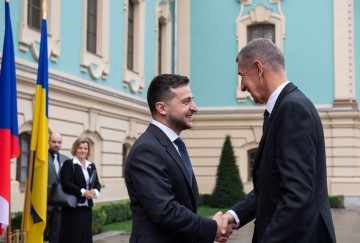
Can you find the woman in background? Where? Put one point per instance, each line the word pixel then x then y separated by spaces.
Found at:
pixel 79 177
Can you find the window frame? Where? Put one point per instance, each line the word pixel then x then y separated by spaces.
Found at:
pixel 259 14
pixel 29 38
pixel 96 64
pixel 251 154
pixel 90 32
pixel 164 27
pixel 134 78
pixel 20 163
pixel 260 27
pixel 30 14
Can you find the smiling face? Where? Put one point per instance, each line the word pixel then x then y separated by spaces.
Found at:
pixel 82 151
pixel 180 109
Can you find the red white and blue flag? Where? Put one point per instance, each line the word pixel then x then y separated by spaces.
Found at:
pixel 9 141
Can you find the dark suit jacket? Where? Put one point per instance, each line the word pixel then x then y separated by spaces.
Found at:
pixel 163 203
pixel 290 197
pixel 74 184
pixel 52 175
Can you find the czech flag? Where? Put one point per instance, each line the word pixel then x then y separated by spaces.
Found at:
pixel 9 141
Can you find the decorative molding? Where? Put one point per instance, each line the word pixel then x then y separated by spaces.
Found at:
pixel 344 57
pixel 258 14
pixel 97 64
pixel 75 84
pixel 134 79
pixel 30 38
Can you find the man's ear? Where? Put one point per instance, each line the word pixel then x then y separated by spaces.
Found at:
pixel 161 108
pixel 259 67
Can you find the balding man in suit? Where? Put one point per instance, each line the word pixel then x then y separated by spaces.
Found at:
pixel 55 161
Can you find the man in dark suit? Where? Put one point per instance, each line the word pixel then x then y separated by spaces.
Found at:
pixel 55 162
pixel 161 184
pixel 290 199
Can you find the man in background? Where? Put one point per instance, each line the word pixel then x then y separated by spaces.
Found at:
pixel 55 161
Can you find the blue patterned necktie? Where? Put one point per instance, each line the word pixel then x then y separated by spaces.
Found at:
pixel 184 156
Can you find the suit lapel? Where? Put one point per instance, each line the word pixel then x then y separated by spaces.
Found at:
pixel 77 167
pixel 51 164
pixel 287 89
pixel 170 148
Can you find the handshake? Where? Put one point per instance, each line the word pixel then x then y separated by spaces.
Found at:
pixel 225 226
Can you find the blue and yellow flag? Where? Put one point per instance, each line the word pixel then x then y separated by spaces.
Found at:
pixel 36 218
pixel 9 143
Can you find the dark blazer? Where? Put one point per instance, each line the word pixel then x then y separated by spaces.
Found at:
pixel 52 175
pixel 290 197
pixel 74 184
pixel 163 203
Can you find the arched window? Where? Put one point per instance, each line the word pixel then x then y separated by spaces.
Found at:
pixel 23 160
pixel 251 159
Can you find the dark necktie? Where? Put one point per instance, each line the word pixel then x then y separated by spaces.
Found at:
pixel 266 120
pixel 184 156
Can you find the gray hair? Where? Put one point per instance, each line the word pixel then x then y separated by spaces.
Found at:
pixel 263 50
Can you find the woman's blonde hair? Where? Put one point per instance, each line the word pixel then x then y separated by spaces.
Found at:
pixel 77 144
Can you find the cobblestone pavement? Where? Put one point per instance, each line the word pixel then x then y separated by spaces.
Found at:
pixel 346 223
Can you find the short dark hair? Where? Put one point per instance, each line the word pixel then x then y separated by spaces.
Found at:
pixel 265 51
pixel 160 88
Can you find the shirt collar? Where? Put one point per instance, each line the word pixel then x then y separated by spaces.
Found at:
pixel 77 161
pixel 169 132
pixel 273 97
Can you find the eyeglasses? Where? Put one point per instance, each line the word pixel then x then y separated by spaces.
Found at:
pixel 243 75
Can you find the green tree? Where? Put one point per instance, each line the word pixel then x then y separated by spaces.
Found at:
pixel 229 188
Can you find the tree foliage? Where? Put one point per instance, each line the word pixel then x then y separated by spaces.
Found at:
pixel 229 188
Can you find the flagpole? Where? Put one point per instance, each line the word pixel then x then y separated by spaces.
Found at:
pixel 8 230
pixel 44 9
pixel 28 191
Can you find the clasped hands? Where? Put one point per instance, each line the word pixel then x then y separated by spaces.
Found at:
pixel 89 194
pixel 225 226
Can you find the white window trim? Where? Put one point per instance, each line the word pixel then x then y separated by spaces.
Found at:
pixel 163 14
pixel 259 14
pixel 30 39
pixel 97 65
pixel 134 79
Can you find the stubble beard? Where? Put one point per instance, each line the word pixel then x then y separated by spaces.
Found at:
pixel 178 123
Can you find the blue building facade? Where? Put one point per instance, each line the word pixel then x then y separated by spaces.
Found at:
pixel 99 90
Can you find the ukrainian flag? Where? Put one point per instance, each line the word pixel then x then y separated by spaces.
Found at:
pixel 36 218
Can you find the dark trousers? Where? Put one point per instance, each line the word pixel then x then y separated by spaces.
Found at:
pixel 76 225
pixel 53 222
